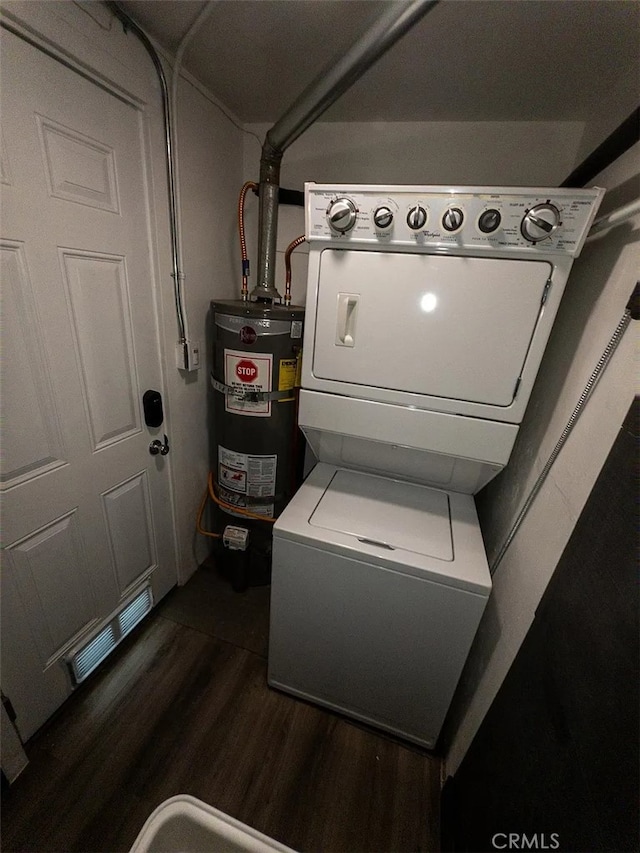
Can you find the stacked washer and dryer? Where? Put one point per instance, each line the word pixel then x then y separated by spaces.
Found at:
pixel 428 311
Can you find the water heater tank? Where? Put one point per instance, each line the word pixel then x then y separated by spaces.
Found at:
pixel 257 351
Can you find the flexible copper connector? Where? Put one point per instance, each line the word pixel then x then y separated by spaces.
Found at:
pixel 199 526
pixel 235 509
pixel 250 185
pixel 287 265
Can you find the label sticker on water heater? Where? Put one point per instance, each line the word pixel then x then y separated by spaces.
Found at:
pixel 250 474
pixel 248 373
pixel 287 374
pixel 242 503
pixel 233 479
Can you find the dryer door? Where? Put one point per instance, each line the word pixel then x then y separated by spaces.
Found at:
pixel 451 327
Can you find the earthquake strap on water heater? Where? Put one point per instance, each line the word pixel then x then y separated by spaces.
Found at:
pixel 253 396
pixel 630 313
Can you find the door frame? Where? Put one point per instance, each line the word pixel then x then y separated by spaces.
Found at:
pixel 64 33
pixel 46 29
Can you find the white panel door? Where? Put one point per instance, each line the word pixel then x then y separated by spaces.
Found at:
pixel 451 327
pixel 86 510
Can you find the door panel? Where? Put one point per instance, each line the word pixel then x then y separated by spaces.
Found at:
pixel 458 328
pixel 98 296
pixel 78 168
pixel 53 578
pixel 86 510
pixel 31 438
pixel 127 510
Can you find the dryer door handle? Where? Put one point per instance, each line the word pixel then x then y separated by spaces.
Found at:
pixel 346 319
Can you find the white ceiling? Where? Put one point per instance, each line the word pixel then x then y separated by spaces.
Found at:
pixel 467 60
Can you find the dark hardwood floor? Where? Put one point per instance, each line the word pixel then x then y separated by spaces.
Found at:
pixel 183 708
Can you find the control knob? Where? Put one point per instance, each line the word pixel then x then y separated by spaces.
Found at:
pixel 540 222
pixel 341 215
pixel 383 216
pixel 452 219
pixel 417 217
pixel 489 220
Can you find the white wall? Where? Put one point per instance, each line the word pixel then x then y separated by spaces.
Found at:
pixel 620 102
pixel 490 153
pixel 210 176
pixel 598 290
pixel 210 168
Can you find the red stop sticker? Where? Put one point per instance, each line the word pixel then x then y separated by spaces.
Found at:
pixel 246 371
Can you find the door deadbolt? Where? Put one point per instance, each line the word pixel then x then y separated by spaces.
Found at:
pixel 158 447
pixel 152 406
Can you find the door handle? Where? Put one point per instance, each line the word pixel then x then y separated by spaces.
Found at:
pixel 158 447
pixel 346 320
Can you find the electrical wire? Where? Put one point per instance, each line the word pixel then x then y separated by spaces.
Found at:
pixel 83 8
pixel 235 123
pixel 588 390
pixel 244 292
pixel 202 90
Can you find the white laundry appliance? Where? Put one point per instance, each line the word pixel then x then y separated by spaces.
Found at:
pixel 428 311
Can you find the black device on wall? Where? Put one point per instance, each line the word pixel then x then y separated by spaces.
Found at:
pixel 152 405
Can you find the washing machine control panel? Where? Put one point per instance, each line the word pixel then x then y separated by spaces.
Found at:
pixel 443 219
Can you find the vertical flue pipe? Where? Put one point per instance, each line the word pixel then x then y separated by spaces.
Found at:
pixel 334 81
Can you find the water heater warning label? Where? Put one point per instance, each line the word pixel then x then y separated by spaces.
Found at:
pixel 288 373
pixel 232 479
pixel 247 474
pixel 241 502
pixel 248 374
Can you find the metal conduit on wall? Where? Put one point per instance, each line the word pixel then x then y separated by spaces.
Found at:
pixel 129 24
pixel 174 154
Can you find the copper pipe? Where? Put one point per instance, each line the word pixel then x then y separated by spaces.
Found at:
pixel 199 526
pixel 244 292
pixel 287 265
pixel 235 509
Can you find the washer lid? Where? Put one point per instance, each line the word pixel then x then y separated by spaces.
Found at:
pixel 388 513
